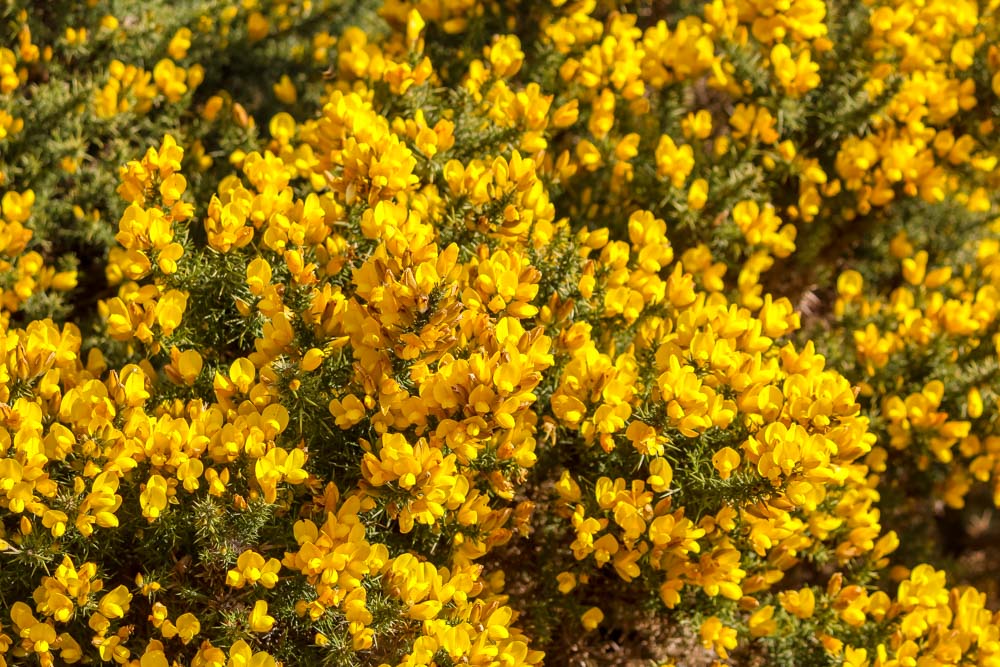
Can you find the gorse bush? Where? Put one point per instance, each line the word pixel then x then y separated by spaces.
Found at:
pixel 455 333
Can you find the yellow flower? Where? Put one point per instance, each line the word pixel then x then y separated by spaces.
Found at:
pixel 115 603
pixel 974 403
pixel 170 79
pixel 725 461
pixel 189 364
pixel 762 623
pixel 282 127
pixel 567 582
pixel 800 603
pixel 849 284
pixel 259 620
pixel 241 655
pixel 592 618
pixel 673 162
pixel 258 27
pixel 425 610
pixel 153 658
pixel 697 194
pixel 697 124
pixel 796 75
pixel 347 411
pixel 242 374
pixel 179 44
pixel 170 309
pixel 285 91
pixel 153 498
pixel 660 475
pixel 187 627
pixel 505 56
pixel 251 568
pixel 716 636
pixel 855 657
pixel 312 359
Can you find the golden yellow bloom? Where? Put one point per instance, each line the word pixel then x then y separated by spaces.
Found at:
pixel 259 620
pixel 725 461
pixel 592 618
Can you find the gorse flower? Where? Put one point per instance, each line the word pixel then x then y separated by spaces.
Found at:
pixel 458 333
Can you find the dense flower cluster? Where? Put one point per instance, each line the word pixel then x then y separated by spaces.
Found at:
pixel 480 331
